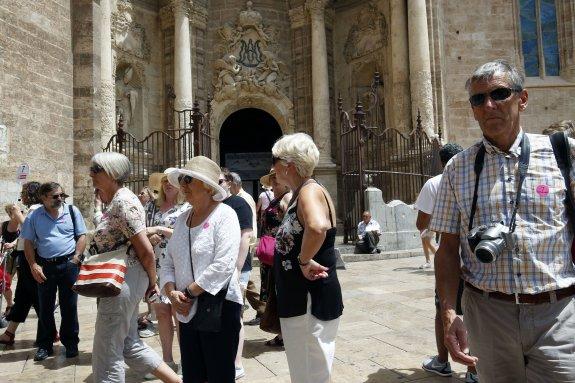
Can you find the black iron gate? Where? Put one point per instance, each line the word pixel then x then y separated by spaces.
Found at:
pixel 384 158
pixel 163 149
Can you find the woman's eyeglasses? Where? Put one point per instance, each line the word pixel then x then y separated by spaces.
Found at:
pixel 499 94
pixel 61 195
pixel 95 168
pixel 184 179
pixel 221 181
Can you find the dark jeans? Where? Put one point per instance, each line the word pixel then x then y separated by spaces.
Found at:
pixel 368 244
pixel 209 356
pixel 25 297
pixel 60 278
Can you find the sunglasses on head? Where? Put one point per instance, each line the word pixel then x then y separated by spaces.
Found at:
pixel 61 195
pixel 499 94
pixel 95 168
pixel 184 179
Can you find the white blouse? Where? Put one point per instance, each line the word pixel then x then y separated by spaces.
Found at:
pixel 215 245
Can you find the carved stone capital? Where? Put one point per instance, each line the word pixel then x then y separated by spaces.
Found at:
pixel 184 6
pixel 316 8
pixel 166 17
pixel 199 17
pixel 297 17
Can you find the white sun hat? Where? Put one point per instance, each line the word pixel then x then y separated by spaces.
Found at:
pixel 203 169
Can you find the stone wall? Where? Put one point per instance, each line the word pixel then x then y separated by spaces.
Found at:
pixel 477 32
pixel 35 93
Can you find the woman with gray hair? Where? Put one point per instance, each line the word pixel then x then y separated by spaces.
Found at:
pixel 116 337
pixel 308 291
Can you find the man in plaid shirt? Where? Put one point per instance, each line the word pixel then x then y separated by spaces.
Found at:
pixel 519 308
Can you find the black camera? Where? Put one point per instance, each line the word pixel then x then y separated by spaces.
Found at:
pixel 488 241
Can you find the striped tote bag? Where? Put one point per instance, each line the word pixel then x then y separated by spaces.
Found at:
pixel 102 275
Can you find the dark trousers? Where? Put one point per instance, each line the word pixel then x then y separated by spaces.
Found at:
pixel 59 278
pixel 369 243
pixel 26 297
pixel 258 300
pixel 209 356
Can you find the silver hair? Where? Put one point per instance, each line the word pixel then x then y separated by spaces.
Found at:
pixel 116 165
pixel 299 149
pixel 487 71
pixel 236 179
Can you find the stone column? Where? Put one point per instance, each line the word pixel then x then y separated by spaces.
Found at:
pixel 420 65
pixel 182 55
pixel 320 81
pixel 107 83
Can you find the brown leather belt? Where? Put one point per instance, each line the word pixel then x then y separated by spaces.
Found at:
pixel 533 299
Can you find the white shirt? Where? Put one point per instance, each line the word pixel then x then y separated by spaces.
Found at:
pixel 362 227
pixel 215 244
pixel 426 198
pixel 20 243
pixel 265 198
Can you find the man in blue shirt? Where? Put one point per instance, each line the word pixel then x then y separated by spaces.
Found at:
pixel 54 239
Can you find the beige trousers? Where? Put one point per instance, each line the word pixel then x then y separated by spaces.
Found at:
pixel 521 343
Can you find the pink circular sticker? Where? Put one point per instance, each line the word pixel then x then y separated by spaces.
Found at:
pixel 542 190
pixel 206 225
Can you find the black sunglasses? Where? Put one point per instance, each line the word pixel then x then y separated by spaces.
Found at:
pixel 221 181
pixel 96 169
pixel 61 195
pixel 499 94
pixel 185 179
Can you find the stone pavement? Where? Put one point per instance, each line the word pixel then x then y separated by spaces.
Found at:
pixel 385 333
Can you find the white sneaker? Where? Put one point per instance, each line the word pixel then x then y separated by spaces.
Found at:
pixel 426 265
pixel 149 331
pixel 434 365
pixel 240 373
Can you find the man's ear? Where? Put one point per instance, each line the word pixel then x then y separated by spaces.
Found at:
pixel 523 100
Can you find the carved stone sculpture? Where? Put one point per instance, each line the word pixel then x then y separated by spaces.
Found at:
pixel 127 35
pixel 367 35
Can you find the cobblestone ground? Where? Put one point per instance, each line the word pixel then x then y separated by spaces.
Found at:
pixel 385 333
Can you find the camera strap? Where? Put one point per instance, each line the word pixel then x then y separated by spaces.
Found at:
pixel 523 166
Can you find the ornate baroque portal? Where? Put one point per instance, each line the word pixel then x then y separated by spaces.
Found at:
pixel 249 73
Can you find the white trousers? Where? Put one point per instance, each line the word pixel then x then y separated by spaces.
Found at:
pixel 310 346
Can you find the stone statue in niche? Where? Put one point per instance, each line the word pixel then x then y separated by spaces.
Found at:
pixel 367 35
pixel 249 61
pixel 127 98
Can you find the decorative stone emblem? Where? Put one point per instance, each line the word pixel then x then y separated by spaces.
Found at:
pixel 128 36
pixel 367 35
pixel 249 62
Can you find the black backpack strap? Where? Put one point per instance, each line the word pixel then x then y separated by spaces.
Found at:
pixel 73 216
pixel 562 151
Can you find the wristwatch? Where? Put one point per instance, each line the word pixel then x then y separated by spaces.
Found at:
pixel 300 261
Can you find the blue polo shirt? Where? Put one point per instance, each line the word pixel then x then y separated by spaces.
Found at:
pixel 53 237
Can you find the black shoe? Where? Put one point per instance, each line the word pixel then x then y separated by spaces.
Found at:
pixel 71 353
pixel 42 354
pixel 253 322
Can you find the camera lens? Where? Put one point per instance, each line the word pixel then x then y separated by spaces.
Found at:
pixel 488 251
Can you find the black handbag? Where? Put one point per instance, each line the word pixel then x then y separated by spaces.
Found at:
pixel 208 316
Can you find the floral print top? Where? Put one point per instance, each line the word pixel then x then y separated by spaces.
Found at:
pixel 122 218
pixel 154 217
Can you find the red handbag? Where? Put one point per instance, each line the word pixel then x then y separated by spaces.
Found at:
pixel 265 250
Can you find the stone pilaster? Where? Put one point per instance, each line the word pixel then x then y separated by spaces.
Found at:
pixel 320 80
pixel 107 86
pixel 420 65
pixel 182 54
pixel 566 37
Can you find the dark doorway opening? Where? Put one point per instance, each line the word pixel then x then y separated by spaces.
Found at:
pixel 246 140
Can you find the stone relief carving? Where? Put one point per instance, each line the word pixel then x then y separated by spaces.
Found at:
pixel 367 35
pixel 129 36
pixel 249 62
pixel 128 97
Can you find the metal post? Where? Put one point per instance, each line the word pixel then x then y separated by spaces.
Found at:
pixel 419 133
pixel 120 133
pixel 359 127
pixel 196 118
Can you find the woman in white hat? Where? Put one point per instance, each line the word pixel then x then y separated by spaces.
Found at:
pixel 201 259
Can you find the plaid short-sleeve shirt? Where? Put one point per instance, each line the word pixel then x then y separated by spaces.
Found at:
pixel 540 259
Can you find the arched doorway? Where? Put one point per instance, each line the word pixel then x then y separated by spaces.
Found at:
pixel 246 140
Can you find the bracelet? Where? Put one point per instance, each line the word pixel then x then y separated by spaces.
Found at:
pixel 302 263
pixel 188 293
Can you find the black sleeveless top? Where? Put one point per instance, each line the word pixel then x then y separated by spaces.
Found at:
pixel 8 235
pixel 291 286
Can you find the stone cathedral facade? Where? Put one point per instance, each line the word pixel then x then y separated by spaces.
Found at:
pixel 70 68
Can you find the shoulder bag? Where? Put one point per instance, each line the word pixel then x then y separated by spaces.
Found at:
pixel 208 316
pixel 102 275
